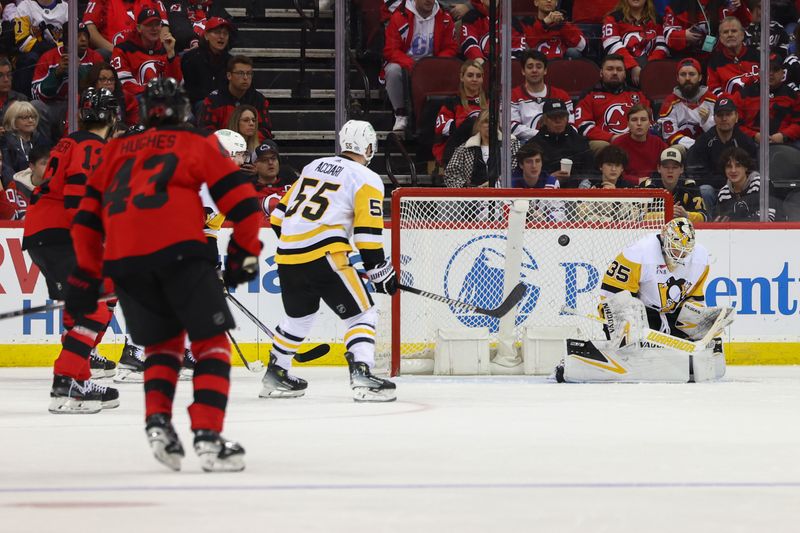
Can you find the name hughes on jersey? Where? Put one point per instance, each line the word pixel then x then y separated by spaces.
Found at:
pixel 160 141
pixel 329 168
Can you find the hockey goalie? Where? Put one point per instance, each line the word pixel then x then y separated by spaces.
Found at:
pixel 657 327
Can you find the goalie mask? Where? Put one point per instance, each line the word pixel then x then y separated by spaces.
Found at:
pixel 358 136
pixel 234 144
pixel 677 241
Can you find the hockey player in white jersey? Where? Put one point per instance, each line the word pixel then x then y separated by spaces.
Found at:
pixel 658 328
pixel 335 200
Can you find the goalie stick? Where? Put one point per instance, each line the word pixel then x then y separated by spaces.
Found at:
pixel 314 353
pixel 501 310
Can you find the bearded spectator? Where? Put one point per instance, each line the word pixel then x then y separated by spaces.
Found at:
pixel 689 110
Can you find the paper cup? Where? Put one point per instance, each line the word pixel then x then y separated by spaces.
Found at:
pixel 566 165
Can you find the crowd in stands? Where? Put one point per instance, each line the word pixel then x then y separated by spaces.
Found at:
pixel 699 142
pixel 121 45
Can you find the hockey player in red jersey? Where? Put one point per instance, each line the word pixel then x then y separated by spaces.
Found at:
pixel 141 223
pixel 47 239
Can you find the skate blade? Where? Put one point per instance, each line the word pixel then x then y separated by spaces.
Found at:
pixel 211 463
pixel 185 375
pixel 170 460
pixel 128 376
pixel 365 394
pixel 100 373
pixel 277 393
pixel 110 404
pixel 71 406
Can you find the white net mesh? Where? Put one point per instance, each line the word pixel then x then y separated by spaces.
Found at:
pixel 475 249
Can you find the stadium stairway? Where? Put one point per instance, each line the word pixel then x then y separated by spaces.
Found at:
pixel 302 108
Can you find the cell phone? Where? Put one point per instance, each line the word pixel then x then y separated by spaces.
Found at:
pixel 709 43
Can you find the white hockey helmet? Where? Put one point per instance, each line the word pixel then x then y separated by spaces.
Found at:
pixel 677 241
pixel 357 136
pixel 234 144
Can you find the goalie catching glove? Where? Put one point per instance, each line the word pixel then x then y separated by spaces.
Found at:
pixel 241 266
pixel 383 277
pixel 82 293
pixel 695 319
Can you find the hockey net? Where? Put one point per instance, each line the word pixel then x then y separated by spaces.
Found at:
pixel 475 245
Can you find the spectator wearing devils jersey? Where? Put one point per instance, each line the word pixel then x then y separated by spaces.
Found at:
pixel 527 100
pixel 784 107
pixel 216 110
pixel 688 23
pixel 474 42
pixel 549 31
pixel 732 65
pixel 601 115
pixel 456 117
pixel 110 21
pixel 689 110
pixel 267 180
pixel 633 31
pixel 145 54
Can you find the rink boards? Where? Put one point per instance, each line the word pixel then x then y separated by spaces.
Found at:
pixel 754 268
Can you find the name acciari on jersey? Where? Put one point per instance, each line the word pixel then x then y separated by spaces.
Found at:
pixel 333 200
pixel 641 269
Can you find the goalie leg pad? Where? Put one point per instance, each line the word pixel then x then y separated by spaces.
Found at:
pixel 626 317
pixel 602 361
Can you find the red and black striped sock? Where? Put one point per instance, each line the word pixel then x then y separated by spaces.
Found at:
pixel 211 382
pixel 162 363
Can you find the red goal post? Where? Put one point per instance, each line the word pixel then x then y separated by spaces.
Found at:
pixel 474 245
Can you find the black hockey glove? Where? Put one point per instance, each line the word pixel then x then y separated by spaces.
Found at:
pixel 81 293
pixel 240 265
pixel 383 277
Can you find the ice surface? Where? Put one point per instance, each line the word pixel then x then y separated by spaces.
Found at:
pixel 456 454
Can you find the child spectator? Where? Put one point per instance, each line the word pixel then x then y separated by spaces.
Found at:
pixel 733 64
pixel 549 31
pixel 454 122
pixel 688 202
pixel 216 110
pixel 689 25
pixel 611 161
pixel 602 115
pixel 416 29
pixel 528 99
pixel 21 188
pixel 560 140
pixel 633 30
pixel 643 147
pixel 689 110
pixel 740 198
pixel 204 67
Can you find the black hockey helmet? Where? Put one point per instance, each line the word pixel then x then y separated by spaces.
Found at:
pixel 164 102
pixel 98 106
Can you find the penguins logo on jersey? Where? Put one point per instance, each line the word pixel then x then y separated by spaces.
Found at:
pixel 672 292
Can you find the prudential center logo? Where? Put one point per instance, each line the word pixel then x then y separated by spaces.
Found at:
pixel 474 274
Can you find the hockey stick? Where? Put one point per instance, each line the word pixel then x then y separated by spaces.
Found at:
pixel 501 310
pixel 314 353
pixel 255 366
pixel 46 307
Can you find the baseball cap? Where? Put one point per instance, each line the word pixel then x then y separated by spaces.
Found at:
pixel 724 103
pixel 266 147
pixel 554 106
pixel 775 62
pixel 689 62
pixel 147 14
pixel 671 154
pixel 218 22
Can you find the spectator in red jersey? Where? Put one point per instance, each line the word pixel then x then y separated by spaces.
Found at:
pixel 602 115
pixel 560 140
pixel 528 99
pixel 549 31
pixel 216 109
pixel 690 25
pixel 20 123
pixel 205 67
pixel 454 121
pixel 50 81
pixel 689 110
pixel 188 20
pixel 146 54
pixel 417 29
pixel 244 121
pixel 643 148
pixel 474 41
pixel 732 65
pixel 21 187
pixel 267 180
pixel 110 21
pixel 784 107
pixel 7 95
pixel 633 30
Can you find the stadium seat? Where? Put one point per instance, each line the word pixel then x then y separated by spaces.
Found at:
pixel 657 80
pixel 784 162
pixel 433 75
pixel 522 8
pixel 575 76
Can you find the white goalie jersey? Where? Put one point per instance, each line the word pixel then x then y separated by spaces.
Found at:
pixel 642 270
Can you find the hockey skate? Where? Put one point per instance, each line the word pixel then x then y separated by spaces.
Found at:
pixel 278 383
pixel 100 366
pixel 131 365
pixel 166 446
pixel 72 396
pixel 109 396
pixel 366 387
pixel 187 371
pixel 216 453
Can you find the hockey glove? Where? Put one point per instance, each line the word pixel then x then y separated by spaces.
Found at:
pixel 82 293
pixel 240 265
pixel 383 277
